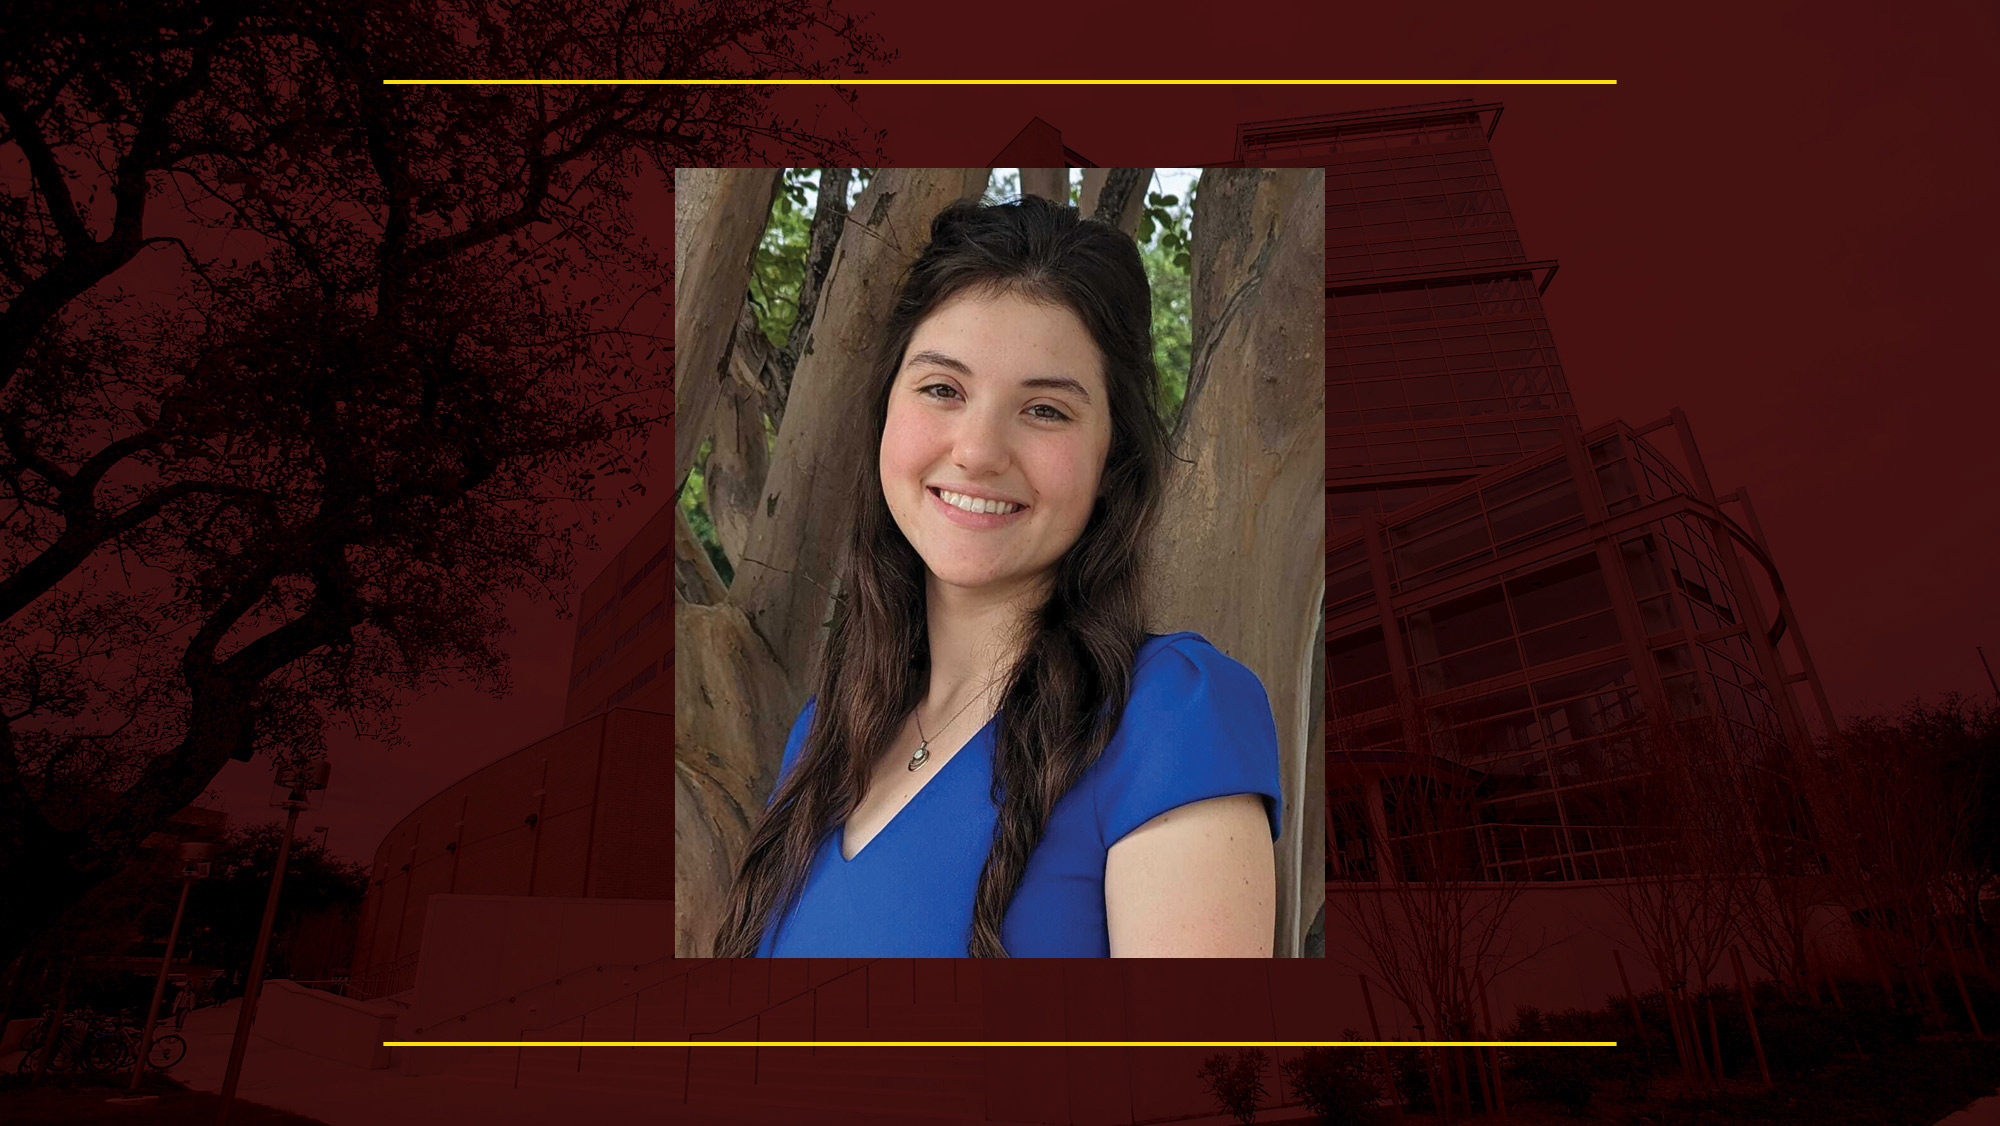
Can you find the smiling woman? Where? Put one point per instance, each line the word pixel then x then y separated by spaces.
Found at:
pixel 998 759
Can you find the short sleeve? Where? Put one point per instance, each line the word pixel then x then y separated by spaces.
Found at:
pixel 1197 726
pixel 794 743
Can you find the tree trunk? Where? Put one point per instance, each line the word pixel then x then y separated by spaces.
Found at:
pixel 1049 183
pixel 731 712
pixel 695 579
pixel 719 216
pixel 738 458
pixel 1248 498
pixel 734 705
pixel 1115 195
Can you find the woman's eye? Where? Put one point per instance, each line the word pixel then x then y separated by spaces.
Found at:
pixel 1048 413
pixel 938 391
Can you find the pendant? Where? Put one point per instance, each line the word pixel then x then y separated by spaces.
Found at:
pixel 923 753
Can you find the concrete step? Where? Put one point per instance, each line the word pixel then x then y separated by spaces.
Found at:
pixel 879 1021
pixel 849 1069
pixel 694 1114
pixel 952 1085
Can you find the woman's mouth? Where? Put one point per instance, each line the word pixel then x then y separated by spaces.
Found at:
pixel 974 512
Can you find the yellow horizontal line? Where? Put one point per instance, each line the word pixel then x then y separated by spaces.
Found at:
pixel 1000 82
pixel 999 1043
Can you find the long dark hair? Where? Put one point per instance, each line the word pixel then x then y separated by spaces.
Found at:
pixel 1065 693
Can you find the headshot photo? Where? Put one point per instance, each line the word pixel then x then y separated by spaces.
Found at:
pixel 998 565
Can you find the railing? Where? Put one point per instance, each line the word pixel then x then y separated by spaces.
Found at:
pixel 384 978
pixel 558 980
pixel 632 996
pixel 1501 852
pixel 754 1020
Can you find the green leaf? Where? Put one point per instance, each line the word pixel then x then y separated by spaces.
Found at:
pixel 1181 260
pixel 1169 200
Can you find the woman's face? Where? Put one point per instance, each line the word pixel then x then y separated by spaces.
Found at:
pixel 998 427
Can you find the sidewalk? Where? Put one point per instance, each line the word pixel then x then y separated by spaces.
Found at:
pixel 1985 1112
pixel 342 1095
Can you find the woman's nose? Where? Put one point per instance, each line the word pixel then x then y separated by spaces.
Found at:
pixel 979 445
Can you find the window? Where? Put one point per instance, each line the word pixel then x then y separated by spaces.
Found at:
pixel 1565 590
pixel 1466 622
pixel 1598 631
pixel 1470 667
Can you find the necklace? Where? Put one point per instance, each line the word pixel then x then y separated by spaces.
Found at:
pixel 923 751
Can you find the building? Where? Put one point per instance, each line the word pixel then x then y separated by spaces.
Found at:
pixel 1508 595
pixel 624 650
pixel 580 814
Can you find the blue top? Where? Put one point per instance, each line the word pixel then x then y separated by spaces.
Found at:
pixel 1198 725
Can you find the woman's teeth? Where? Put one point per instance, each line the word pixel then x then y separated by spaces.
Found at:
pixel 975 504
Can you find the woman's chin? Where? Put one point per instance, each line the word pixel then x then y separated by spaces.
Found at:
pixel 980 579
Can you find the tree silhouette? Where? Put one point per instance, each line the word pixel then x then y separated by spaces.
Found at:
pixel 301 374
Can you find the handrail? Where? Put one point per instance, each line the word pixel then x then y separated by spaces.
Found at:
pixel 381 973
pixel 814 989
pixel 757 1058
pixel 596 967
pixel 756 1019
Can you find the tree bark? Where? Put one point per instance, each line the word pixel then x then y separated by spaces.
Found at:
pixel 696 581
pixel 738 457
pixel 829 220
pixel 1115 195
pixel 1049 183
pixel 732 708
pixel 1249 497
pixel 719 216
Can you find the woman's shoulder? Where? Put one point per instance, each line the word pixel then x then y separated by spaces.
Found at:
pixel 1197 724
pixel 1185 667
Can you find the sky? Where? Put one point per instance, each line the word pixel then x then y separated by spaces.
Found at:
pixel 1781 219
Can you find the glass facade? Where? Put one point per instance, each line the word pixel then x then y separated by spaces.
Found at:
pixel 1510 601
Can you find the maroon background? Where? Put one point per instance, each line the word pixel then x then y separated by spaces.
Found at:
pixel 1780 220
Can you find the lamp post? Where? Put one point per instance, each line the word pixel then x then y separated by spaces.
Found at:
pixel 194 865
pixel 301 783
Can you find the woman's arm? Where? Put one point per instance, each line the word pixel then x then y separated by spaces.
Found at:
pixel 1198 881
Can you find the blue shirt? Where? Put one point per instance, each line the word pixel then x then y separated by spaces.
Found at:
pixel 1197 725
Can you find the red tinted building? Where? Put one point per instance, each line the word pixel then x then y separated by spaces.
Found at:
pixel 1509 597
pixel 576 815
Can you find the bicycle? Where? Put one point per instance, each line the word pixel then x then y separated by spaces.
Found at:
pixel 114 1045
pixel 69 1042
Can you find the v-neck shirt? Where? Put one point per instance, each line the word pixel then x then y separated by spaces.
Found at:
pixel 1197 725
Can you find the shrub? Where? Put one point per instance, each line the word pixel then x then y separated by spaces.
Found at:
pixel 1412 1076
pixel 1563 1076
pixel 1237 1084
pixel 1334 1084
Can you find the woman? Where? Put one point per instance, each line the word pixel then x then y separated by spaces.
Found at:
pixel 997 760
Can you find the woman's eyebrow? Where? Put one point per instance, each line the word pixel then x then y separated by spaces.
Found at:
pixel 1059 383
pixel 938 359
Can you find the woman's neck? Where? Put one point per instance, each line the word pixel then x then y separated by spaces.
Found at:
pixel 975 636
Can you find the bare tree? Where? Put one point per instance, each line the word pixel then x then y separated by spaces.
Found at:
pixel 1901 803
pixel 1689 862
